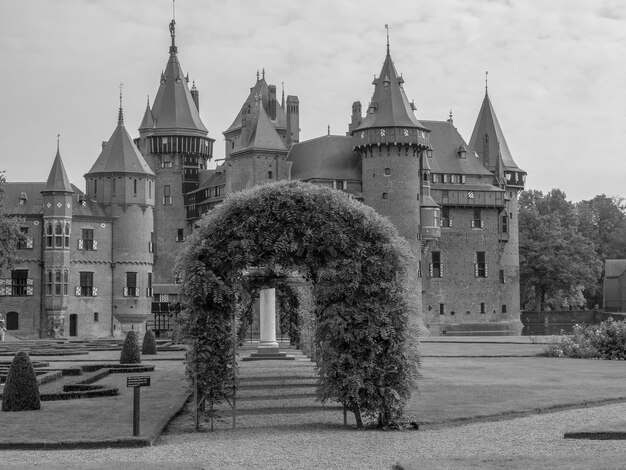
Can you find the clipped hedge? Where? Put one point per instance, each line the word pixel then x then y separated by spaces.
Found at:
pixel 149 343
pixel 130 350
pixel 604 341
pixel 21 391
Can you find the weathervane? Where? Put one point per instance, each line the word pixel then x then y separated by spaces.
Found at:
pixel 387 28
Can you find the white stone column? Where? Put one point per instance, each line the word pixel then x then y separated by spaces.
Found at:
pixel 268 321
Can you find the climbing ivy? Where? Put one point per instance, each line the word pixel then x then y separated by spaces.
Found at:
pixel 358 266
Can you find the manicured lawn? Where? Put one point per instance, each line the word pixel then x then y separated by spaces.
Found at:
pixel 97 419
pixel 465 388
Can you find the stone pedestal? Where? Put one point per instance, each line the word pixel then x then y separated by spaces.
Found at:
pixel 268 347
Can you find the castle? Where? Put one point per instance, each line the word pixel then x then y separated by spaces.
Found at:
pixel 99 263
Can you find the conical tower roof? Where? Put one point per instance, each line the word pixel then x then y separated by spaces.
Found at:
pixel 148 120
pixel 57 179
pixel 487 124
pixel 174 110
pixel 120 155
pixel 390 107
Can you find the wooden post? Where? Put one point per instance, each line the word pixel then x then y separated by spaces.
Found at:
pixel 195 396
pixel 234 327
pixel 345 415
pixel 136 409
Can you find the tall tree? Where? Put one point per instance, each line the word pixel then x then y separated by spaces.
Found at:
pixel 10 233
pixel 556 260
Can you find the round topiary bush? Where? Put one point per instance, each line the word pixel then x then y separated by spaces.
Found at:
pixel 149 343
pixel 21 391
pixel 130 350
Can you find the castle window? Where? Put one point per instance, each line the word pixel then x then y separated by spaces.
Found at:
pixel 339 184
pixel 435 178
pixel 95 317
pixel 149 292
pixel 113 186
pixel 58 235
pixel 442 309
pixel 167 197
pixel 218 191
pixel 87 242
pixel 477 221
pixel 482 307
pixel 131 285
pixel 49 235
pixel 446 222
pixel 49 282
pixel 151 243
pixel 501 276
pixel 435 268
pixel 462 179
pixel 95 188
pixel 269 174
pixel 388 171
pixel 67 234
pixel 149 188
pixel 480 268
pixel 445 178
pixel 25 243
pixel 86 288
pixel 385 195
pixel 180 235
pixel 58 282
pixel 503 308
pixel 135 187
pixel 19 282
pixel 505 224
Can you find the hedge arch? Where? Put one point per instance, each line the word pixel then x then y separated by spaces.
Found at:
pixel 359 269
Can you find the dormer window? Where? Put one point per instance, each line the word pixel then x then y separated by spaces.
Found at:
pixel 462 151
pixel 23 199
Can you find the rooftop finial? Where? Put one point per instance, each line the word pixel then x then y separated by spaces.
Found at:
pixel 387 28
pixel 450 120
pixel 263 73
pixel 329 129
pixel 282 104
pixel 148 99
pixel 257 74
pixel 486 80
pixel 173 49
pixel 58 142
pixel 120 118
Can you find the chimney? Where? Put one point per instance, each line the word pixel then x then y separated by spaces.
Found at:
pixel 195 94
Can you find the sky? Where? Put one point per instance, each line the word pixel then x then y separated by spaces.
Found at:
pixel 557 73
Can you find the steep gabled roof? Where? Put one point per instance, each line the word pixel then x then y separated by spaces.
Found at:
pixel 174 110
pixel 120 155
pixel 389 107
pixel 58 180
pixel 326 157
pixel 148 120
pixel 264 135
pixel 446 142
pixel 487 123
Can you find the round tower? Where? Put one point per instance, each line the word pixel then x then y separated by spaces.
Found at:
pixel 391 142
pixel 123 184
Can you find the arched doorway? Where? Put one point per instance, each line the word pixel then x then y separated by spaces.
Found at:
pixel 13 321
pixel 360 271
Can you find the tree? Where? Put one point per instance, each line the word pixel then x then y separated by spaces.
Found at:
pixel 148 346
pixel 557 262
pixel 130 350
pixel 10 233
pixel 21 391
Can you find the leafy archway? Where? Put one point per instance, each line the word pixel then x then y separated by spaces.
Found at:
pixel 358 267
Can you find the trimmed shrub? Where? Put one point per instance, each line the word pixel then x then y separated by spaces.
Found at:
pixel 149 343
pixel 130 350
pixel 21 391
pixel 604 341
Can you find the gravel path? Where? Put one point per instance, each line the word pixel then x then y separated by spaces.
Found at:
pixel 529 442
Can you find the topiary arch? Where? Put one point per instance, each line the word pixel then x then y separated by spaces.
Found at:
pixel 358 266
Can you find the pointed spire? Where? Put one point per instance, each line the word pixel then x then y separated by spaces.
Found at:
pixel 282 101
pixel 148 120
pixel 387 28
pixel 486 81
pixel 263 73
pixel 57 179
pixel 173 49
pixel 450 120
pixel 120 117
pixel 329 129
pixel 257 75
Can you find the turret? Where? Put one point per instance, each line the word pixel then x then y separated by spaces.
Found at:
pixel 293 119
pixel 430 213
pixel 57 220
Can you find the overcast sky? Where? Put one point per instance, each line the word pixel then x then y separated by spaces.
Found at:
pixel 556 73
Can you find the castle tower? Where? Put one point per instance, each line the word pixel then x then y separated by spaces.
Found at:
pixel 261 154
pixel 490 145
pixel 391 141
pixel 57 221
pixel 124 185
pixel 176 146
